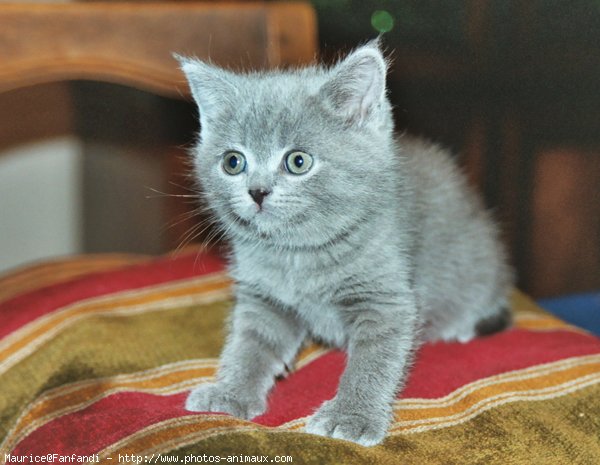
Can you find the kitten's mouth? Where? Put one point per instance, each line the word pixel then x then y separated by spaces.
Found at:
pixel 255 222
pixel 251 226
pixel 261 213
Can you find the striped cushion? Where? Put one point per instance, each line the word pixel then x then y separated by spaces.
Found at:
pixel 97 355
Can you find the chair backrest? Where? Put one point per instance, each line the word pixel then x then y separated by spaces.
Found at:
pixel 131 43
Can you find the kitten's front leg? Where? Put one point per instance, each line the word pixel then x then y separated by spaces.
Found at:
pixel 262 342
pixel 380 348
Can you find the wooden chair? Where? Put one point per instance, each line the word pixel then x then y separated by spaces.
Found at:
pixel 131 43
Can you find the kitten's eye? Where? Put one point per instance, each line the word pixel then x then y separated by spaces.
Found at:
pixel 298 162
pixel 234 163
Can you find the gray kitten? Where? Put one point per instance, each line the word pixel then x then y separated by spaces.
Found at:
pixel 340 233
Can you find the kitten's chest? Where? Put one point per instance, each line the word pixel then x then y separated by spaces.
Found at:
pixel 302 288
pixel 291 278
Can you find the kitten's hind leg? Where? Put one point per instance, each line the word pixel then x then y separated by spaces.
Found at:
pixel 468 324
pixel 485 326
pixel 262 342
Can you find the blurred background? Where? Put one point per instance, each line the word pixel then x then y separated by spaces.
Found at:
pixel 512 87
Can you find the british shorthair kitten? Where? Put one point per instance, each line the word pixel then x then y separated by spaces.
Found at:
pixel 340 233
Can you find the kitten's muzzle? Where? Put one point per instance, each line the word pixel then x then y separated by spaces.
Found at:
pixel 258 195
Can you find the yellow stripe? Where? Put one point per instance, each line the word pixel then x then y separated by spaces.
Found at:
pixel 175 433
pixel 550 392
pixel 427 413
pixel 541 322
pixel 310 354
pixel 523 303
pixel 530 316
pixel 552 379
pixel 27 339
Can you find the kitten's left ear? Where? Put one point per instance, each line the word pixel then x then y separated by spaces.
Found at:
pixel 357 86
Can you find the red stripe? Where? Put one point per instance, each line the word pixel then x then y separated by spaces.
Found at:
pixel 301 393
pixel 444 367
pixel 23 309
pixel 101 424
pixel 439 369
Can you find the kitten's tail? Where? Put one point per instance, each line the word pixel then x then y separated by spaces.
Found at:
pixel 495 323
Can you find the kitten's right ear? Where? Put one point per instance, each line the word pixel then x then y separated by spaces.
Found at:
pixel 356 88
pixel 211 86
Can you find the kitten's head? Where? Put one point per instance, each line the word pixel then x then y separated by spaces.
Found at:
pixel 294 157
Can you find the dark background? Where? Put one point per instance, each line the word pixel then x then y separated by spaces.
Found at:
pixel 514 88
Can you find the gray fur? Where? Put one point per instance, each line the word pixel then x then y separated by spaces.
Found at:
pixel 378 248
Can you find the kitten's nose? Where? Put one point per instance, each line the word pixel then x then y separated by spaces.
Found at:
pixel 258 195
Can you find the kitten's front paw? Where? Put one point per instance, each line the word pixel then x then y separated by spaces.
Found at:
pixel 344 421
pixel 216 398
